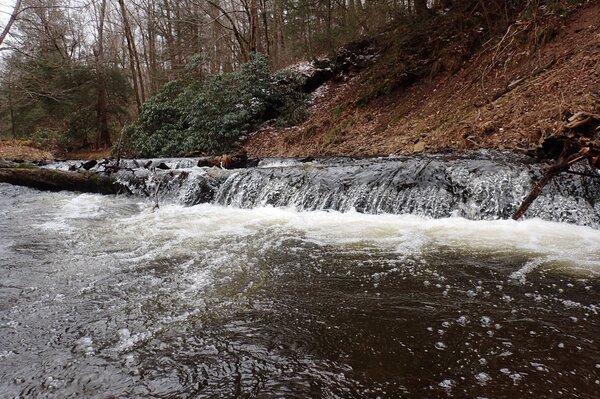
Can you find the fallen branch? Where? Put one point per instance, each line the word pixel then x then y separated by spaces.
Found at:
pixel 587 150
pixel 535 192
pixel 516 83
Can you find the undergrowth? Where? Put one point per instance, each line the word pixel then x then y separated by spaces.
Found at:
pixel 215 115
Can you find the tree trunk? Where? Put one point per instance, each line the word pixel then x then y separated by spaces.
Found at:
pixel 102 133
pixel 134 61
pixel 152 61
pixel 58 180
pixel 421 7
pixel 266 28
pixel 254 42
pixel 11 21
pixel 11 105
pixel 279 36
pixel 170 40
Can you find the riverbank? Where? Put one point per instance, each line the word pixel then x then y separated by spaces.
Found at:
pixel 23 150
pixel 469 91
pixel 20 150
pixel 512 93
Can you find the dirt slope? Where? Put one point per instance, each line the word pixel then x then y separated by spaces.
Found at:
pixel 508 95
pixel 22 150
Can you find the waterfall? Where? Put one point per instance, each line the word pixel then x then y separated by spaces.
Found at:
pixel 484 185
pixel 478 185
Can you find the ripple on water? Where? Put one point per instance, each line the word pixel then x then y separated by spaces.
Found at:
pixel 228 302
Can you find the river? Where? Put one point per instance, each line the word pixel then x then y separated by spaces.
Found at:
pixel 104 296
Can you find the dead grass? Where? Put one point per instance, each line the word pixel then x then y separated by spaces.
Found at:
pixel 25 150
pixel 89 154
pixel 13 150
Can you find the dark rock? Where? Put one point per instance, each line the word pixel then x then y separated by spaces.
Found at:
pixel 208 162
pixel 252 162
pixel 89 164
pixel 318 78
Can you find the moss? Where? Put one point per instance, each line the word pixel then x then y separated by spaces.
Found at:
pixel 338 110
pixel 291 139
pixel 309 132
pixel 26 166
pixel 337 134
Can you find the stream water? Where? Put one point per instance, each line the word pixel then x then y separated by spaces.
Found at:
pixel 104 297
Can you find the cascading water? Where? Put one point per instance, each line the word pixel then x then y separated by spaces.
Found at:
pixel 477 186
pixel 109 296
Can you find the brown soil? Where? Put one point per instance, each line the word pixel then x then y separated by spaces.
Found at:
pixel 509 95
pixel 13 150
pixel 26 151
pixel 88 154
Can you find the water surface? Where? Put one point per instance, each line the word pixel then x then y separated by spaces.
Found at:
pixel 102 297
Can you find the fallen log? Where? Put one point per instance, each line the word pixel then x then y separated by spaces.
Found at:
pixel 584 123
pixel 58 180
pixel 226 161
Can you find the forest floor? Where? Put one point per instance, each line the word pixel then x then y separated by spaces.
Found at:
pixel 88 153
pixel 507 95
pixel 26 151
pixel 22 150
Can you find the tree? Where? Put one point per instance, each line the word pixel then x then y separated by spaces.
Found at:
pixel 11 21
pixel 49 85
pixel 421 7
pixel 134 61
pixel 102 132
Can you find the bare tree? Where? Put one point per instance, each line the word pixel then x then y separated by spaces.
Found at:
pixel 11 21
pixel 134 61
pixel 102 132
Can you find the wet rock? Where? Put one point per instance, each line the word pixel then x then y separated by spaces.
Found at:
pixel 89 164
pixel 6 164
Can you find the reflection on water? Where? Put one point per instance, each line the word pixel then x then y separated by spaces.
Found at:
pixel 101 297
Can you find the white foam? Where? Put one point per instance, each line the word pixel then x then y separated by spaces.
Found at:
pixel 85 345
pixel 128 341
pixel 178 230
pixel 483 378
pixel 83 206
pixel 567 246
pixel 277 163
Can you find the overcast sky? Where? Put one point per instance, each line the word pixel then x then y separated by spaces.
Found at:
pixel 6 7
